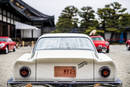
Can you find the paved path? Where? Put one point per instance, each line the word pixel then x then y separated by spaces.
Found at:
pixel 6 64
pixel 121 57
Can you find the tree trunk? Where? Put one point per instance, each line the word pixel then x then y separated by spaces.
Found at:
pixel 111 38
pixel 104 28
pixel 104 35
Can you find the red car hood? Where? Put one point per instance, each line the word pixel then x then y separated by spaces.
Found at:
pixel 2 42
pixel 96 43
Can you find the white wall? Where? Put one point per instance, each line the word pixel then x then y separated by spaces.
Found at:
pixel 28 33
pixel 36 33
pixel 107 35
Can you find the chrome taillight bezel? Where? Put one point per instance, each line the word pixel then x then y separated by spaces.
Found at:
pixel 27 70
pixel 103 69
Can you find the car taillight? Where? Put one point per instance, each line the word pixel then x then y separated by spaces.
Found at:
pixel 105 72
pixel 25 71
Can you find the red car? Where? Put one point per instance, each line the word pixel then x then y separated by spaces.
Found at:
pixel 128 44
pixel 6 44
pixel 100 44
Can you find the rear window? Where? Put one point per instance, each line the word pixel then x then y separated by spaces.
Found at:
pixel 97 39
pixel 3 39
pixel 64 43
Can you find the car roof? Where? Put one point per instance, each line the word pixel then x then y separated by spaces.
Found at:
pixel 96 36
pixel 64 35
pixel 3 37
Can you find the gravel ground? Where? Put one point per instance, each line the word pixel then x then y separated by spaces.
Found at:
pixel 118 53
pixel 6 64
pixel 121 57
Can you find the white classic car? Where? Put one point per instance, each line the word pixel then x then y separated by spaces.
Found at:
pixel 64 60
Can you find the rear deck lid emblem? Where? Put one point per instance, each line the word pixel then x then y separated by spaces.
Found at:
pixel 80 65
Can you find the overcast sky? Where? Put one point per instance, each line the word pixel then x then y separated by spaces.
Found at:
pixel 55 7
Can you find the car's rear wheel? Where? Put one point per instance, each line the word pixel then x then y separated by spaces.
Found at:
pixel 128 47
pixel 14 49
pixel 107 51
pixel 6 51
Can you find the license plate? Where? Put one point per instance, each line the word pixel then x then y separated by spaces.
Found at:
pixel 65 71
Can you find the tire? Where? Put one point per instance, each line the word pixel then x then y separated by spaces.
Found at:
pixel 6 50
pixel 107 51
pixel 14 49
pixel 128 47
pixel 126 44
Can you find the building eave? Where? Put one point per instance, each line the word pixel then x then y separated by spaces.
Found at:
pixel 37 17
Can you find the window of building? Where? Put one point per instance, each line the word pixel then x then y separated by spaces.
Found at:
pixel 12 16
pixel 15 17
pixel 0 11
pixel 12 21
pixel 8 21
pixel 0 17
pixel 8 14
pixel 4 18
pixel 4 12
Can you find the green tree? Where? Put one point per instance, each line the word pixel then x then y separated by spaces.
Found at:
pixel 125 20
pixel 67 20
pixel 87 17
pixel 69 12
pixel 110 17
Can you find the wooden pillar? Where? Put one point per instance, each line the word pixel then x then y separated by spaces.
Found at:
pixel 23 43
pixel 32 43
pixel 8 28
pixel 32 33
pixel 15 32
pixel 42 29
pixel 1 29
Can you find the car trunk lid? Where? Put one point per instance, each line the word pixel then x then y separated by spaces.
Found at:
pixel 52 65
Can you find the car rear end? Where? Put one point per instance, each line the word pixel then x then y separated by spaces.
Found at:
pixel 50 70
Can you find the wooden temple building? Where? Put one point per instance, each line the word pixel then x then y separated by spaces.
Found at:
pixel 19 20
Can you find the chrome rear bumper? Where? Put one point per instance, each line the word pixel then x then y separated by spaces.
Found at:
pixel 12 83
